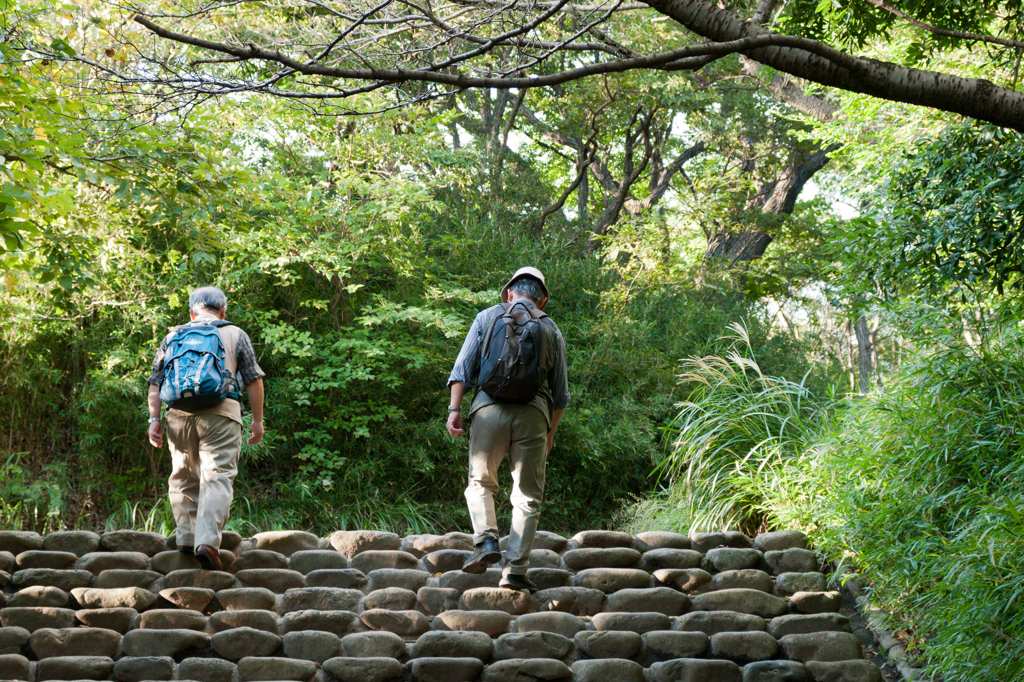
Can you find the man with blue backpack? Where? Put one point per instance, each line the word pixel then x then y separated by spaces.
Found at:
pixel 514 355
pixel 197 372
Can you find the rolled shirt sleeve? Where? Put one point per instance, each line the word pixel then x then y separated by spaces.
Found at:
pixel 558 377
pixel 467 365
pixel 156 376
pixel 248 369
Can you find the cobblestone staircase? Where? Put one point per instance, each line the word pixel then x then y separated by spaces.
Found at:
pixel 368 606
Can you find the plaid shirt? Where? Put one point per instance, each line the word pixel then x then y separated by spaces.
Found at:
pixel 467 365
pixel 248 369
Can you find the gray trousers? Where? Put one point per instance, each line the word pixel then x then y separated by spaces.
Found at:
pixel 521 432
pixel 204 462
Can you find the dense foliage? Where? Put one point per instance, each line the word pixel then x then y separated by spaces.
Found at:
pixel 716 313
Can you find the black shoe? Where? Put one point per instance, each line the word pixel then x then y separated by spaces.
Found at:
pixel 190 550
pixel 517 582
pixel 487 553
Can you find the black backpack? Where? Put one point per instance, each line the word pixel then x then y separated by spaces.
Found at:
pixel 513 354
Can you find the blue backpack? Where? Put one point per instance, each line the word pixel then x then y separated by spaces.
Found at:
pixel 195 373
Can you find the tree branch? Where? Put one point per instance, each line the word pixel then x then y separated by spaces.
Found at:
pixel 946 32
pixel 717 49
pixel 972 97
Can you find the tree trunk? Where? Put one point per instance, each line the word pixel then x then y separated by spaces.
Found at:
pixel 973 97
pixel 864 353
pixel 736 248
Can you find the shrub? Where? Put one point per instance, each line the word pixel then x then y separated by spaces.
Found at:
pixel 922 488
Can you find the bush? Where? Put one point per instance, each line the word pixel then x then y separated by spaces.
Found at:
pixel 736 429
pixel 923 489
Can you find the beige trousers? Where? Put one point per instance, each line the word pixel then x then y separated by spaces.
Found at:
pixel 204 461
pixel 521 432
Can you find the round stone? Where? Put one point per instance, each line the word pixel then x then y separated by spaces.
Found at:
pixel 800 624
pixel 579 601
pixel 237 643
pixel 517 669
pixel 345 669
pixel 113 598
pixel 601 539
pixel 713 622
pixel 515 602
pixel 133 541
pixel 78 542
pixel 39 595
pixel 788 584
pixel 537 644
pixel 286 542
pixel 692 581
pixel 611 557
pixel 745 578
pixel 605 669
pixel 666 645
pixel 319 599
pixel 564 624
pixel 192 598
pixel 374 644
pixel 658 599
pixel 744 647
pixel 246 599
pixel 252 618
pixel 259 558
pixel 312 646
pixel 308 560
pixel 494 623
pixel 608 644
pixel 611 580
pixel 733 559
pixel 816 602
pixel 658 559
pixel 456 644
pixel 632 622
pixel 35 558
pixel 393 599
pixel 754 602
pixel 645 542
pixel 403 623
pixel 340 623
pixel 780 540
pixel 354 542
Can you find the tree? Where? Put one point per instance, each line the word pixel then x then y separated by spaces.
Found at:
pixel 312 50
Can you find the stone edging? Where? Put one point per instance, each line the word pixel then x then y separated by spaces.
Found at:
pixel 876 619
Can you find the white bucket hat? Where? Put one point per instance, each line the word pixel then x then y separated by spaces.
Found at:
pixel 526 272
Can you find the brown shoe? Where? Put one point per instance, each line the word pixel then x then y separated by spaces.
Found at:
pixel 209 558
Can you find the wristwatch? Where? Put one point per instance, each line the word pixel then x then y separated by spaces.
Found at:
pixel 154 420
pixel 455 409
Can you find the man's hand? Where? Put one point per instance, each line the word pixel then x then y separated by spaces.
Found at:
pixel 551 441
pixel 156 434
pixel 257 432
pixel 455 424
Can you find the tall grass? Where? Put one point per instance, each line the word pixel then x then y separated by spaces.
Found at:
pixel 923 487
pixel 737 425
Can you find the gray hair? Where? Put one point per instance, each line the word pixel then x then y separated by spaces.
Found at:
pixel 207 298
pixel 529 287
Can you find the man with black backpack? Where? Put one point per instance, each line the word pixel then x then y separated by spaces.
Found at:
pixel 197 372
pixel 514 355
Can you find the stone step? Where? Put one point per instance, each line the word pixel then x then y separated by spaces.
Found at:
pixel 370 605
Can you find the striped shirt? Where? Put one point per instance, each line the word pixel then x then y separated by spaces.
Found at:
pixel 467 364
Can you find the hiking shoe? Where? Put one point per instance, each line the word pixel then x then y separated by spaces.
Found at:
pixel 209 558
pixel 517 582
pixel 487 553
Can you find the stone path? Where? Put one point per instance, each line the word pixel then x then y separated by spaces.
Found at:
pixel 369 606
